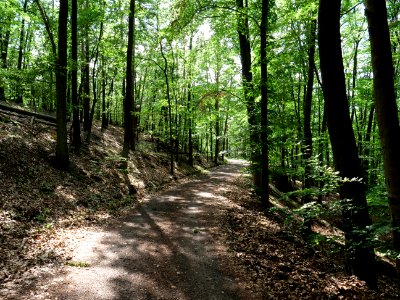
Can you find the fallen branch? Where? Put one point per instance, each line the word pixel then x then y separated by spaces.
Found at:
pixel 20 111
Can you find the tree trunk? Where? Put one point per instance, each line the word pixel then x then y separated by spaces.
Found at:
pixel 247 81
pixel 5 39
pixel 211 140
pixel 189 106
pixel 190 125
pixel 21 53
pixel 217 130
pixel 62 156
pixel 264 193
pixel 225 136
pixel 86 87
pixel 86 76
pixel 76 128
pixel 308 147
pixel 48 28
pixel 367 141
pixel 94 84
pixel 104 110
pixel 360 255
pixel 168 94
pixel 386 107
pixel 128 103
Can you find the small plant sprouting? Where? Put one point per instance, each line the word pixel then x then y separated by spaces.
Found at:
pixel 78 264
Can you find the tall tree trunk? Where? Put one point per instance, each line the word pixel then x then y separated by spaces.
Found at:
pixel 104 110
pixel 308 147
pixel 94 84
pixel 4 39
pixel 386 107
pixel 189 107
pixel 48 28
pixel 217 131
pixel 86 86
pixel 367 147
pixel 264 105
pixel 225 136
pixel 211 139
pixel 248 87
pixel 139 96
pixel 21 52
pixel 76 128
pixel 360 255
pixel 128 103
pixel 62 156
pixel 86 74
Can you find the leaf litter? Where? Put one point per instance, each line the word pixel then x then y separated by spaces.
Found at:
pixel 40 207
pixel 274 262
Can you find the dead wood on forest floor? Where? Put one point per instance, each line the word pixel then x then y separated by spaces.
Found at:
pixel 50 120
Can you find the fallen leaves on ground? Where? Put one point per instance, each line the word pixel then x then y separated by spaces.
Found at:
pixel 39 204
pixel 275 262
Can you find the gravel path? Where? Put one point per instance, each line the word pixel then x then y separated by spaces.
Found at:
pixel 168 248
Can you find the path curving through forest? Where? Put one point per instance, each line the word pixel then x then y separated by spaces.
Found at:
pixel 167 248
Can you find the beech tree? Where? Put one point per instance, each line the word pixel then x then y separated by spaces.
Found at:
pixel 360 255
pixel 264 104
pixel 248 88
pixel 129 141
pixel 76 136
pixel 62 155
pixel 386 107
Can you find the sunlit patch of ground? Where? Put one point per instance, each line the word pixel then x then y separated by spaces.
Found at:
pixel 39 202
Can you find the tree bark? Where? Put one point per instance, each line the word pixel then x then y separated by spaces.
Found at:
pixel 366 150
pixel 386 107
pixel 248 87
pixel 62 156
pixel 48 27
pixel 43 117
pixel 21 52
pixel 167 85
pixel 94 84
pixel 308 147
pixel 128 103
pixel 86 85
pixel 76 127
pixel 4 39
pixel 264 193
pixel 360 256
pixel 189 108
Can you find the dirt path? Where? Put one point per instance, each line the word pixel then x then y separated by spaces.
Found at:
pixel 168 248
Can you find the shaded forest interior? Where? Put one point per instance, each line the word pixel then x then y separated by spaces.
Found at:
pixel 118 97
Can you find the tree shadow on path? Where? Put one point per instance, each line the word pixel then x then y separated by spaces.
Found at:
pixel 165 249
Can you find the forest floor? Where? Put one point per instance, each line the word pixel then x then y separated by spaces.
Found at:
pixel 105 230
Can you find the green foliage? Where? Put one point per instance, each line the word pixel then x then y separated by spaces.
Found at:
pixel 43 215
pixel 78 264
pixel 378 204
pixel 120 202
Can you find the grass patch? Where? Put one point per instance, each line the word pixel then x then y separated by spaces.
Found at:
pixel 78 264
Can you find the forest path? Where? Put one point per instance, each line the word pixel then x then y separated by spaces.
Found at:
pixel 167 248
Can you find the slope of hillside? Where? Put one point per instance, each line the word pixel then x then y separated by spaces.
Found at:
pixel 45 212
pixel 38 201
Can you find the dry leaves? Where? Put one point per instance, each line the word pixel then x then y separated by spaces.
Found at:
pixel 275 263
pixel 38 202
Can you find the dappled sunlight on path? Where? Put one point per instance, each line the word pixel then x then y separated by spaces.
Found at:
pixel 167 248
